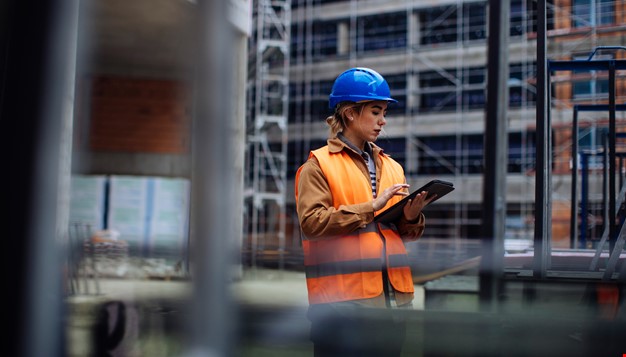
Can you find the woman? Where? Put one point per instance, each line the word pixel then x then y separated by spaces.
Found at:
pixel 351 262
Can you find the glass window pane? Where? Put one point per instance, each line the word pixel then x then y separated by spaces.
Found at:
pixel 384 31
pixel 438 25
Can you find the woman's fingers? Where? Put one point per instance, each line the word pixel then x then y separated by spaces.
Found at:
pixel 414 207
pixel 388 193
pixel 396 190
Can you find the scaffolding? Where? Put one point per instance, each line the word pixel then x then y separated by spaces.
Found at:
pixel 434 57
pixel 461 26
pixel 427 52
pixel 266 142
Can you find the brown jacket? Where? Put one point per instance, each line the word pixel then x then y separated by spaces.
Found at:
pixel 318 218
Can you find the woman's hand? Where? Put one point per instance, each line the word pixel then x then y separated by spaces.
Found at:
pixel 381 200
pixel 414 207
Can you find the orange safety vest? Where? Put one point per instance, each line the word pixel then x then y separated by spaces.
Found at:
pixel 349 267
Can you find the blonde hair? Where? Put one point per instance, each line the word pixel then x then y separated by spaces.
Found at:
pixel 336 122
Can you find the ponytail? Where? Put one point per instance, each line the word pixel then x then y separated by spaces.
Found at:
pixel 337 122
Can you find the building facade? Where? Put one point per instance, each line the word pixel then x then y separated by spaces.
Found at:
pixel 434 56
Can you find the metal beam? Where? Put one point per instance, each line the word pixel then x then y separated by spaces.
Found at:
pixel 543 166
pixel 495 152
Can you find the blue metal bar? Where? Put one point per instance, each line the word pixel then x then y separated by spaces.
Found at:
pixel 574 208
pixel 584 199
pixel 600 108
pixel 605 48
pixel 574 205
pixel 582 65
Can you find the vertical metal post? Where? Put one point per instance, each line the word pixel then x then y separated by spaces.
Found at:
pixel 37 57
pixel 543 144
pixel 584 199
pixel 605 182
pixel 612 139
pixel 621 170
pixel 212 317
pixel 574 189
pixel 495 151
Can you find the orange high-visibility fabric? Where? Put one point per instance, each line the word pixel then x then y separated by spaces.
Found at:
pixel 349 267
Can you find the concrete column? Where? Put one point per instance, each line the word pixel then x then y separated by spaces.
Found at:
pixel 214 181
pixel 343 38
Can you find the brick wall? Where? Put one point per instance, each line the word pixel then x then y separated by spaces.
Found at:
pixel 139 115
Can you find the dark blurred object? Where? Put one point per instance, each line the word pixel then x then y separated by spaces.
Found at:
pixel 356 331
pixel 110 328
pixel 37 53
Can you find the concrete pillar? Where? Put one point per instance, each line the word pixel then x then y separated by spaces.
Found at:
pixel 216 189
pixel 241 18
pixel 343 38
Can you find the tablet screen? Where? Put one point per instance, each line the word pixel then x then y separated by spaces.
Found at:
pixel 434 187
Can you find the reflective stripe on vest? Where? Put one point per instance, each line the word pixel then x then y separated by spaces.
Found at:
pixel 350 267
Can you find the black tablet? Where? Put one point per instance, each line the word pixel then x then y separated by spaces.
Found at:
pixel 434 187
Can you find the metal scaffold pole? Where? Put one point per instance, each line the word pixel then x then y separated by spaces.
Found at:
pixel 266 181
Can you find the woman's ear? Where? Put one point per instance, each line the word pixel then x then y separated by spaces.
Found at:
pixel 349 114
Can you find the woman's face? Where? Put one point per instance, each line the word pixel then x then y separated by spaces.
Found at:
pixel 366 125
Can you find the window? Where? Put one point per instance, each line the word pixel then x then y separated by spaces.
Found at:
pixel 590 89
pixel 474 21
pixel 438 90
pixel 384 31
pixel 317 101
pixel 318 110
pixel 394 147
pixel 586 13
pixel 591 140
pixel 298 152
pixel 591 84
pixel 474 89
pixel 324 38
pixel 464 154
pixel 523 17
pixel 522 148
pixel 520 93
pixel 397 84
pixel 450 154
pixel 297 41
pixel 438 25
pixel 441 24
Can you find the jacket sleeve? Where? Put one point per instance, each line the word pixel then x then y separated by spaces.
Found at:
pixel 318 218
pixel 411 231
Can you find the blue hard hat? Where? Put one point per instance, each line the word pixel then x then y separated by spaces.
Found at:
pixel 358 84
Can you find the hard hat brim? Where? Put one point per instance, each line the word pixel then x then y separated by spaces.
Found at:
pixel 332 103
